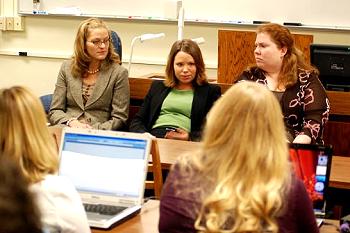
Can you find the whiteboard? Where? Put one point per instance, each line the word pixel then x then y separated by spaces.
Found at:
pixel 312 13
pixel 105 8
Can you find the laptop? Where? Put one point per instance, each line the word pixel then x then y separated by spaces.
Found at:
pixel 108 168
pixel 312 164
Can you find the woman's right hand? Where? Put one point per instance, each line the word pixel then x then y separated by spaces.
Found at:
pixel 179 134
pixel 77 124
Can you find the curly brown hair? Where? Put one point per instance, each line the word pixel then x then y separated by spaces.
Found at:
pixel 293 59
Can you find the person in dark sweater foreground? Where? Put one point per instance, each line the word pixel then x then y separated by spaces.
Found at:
pixel 241 179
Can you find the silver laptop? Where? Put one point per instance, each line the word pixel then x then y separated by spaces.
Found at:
pixel 108 169
pixel 312 164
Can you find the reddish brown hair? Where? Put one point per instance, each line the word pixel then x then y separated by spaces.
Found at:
pixel 293 59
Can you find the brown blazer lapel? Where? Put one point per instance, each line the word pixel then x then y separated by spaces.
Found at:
pixel 76 91
pixel 100 87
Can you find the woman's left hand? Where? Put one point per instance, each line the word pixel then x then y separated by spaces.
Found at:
pixel 302 139
pixel 179 134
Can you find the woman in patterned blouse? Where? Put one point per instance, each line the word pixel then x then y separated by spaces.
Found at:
pixel 281 67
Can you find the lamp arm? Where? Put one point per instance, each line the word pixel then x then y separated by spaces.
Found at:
pixel 142 38
pixel 131 50
pixel 180 23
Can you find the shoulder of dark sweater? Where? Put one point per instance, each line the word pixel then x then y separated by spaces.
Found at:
pixel 297 183
pixel 297 189
pixel 251 73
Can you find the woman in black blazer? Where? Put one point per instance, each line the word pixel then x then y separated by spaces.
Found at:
pixel 176 107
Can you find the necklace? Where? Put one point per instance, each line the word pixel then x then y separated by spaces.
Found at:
pixel 93 71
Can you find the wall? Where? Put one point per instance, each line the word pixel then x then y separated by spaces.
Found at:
pixel 53 37
pixel 310 12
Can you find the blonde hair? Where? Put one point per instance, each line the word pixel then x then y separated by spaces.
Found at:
pixel 293 59
pixel 192 48
pixel 24 136
pixel 245 154
pixel 81 59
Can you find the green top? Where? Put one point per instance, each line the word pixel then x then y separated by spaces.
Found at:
pixel 176 110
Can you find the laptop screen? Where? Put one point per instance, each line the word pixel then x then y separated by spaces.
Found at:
pixel 312 165
pixel 108 165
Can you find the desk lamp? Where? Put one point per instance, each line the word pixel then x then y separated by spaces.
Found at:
pixel 142 38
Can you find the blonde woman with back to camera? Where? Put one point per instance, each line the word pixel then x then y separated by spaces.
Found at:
pixel 240 180
pixel 25 139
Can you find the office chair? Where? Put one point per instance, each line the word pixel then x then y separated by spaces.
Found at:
pixel 117 44
pixel 46 101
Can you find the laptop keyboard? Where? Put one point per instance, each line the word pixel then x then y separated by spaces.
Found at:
pixel 103 209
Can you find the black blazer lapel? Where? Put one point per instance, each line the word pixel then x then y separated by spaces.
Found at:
pixel 159 96
pixel 198 106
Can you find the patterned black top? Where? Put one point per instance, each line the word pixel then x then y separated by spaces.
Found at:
pixel 305 105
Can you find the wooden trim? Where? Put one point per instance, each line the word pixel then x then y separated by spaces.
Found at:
pixel 340 102
pixel 140 86
pixel 156 168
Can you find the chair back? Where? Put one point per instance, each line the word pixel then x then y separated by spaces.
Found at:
pixel 117 44
pixel 46 101
pixel 56 133
pixel 156 168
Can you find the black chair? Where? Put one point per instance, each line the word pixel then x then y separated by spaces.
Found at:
pixel 46 101
pixel 117 44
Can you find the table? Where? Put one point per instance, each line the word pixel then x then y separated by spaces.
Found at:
pixel 147 222
pixel 170 150
pixel 340 175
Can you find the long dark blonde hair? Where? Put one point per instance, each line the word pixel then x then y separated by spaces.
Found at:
pixel 245 156
pixel 24 136
pixel 81 59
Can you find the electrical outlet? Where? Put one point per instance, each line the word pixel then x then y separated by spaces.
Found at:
pixel 2 23
pixel 9 23
pixel 18 23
